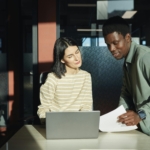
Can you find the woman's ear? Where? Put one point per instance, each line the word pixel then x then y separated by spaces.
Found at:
pixel 62 61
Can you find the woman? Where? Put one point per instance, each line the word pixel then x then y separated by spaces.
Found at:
pixel 67 87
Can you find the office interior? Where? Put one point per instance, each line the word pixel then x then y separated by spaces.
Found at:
pixel 28 30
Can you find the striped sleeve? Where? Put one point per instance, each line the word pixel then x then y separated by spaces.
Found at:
pixel 47 91
pixel 87 101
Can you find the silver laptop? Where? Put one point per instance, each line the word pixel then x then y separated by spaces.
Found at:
pixel 72 125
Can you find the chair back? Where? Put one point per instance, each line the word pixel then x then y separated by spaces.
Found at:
pixel 43 77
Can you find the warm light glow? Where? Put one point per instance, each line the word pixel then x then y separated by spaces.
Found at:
pixel 46 40
pixel 129 14
pixel 11 83
pixel 11 91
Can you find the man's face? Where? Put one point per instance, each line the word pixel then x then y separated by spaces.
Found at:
pixel 118 45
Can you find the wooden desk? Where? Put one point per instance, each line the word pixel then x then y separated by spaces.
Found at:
pixel 33 138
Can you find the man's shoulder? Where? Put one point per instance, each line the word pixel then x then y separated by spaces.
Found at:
pixel 141 51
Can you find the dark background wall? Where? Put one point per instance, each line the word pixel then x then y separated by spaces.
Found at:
pixel 106 74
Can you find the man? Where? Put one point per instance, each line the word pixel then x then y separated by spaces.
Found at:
pixel 135 93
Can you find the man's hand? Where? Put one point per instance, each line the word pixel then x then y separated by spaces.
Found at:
pixel 129 118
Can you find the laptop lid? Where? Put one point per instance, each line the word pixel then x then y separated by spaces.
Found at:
pixel 72 125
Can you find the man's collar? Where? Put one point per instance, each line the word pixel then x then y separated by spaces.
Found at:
pixel 131 53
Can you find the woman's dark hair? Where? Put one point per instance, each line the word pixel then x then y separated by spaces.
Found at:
pixel 116 24
pixel 60 46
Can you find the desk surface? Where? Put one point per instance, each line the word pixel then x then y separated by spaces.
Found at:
pixel 34 138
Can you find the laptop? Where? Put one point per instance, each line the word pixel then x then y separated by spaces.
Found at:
pixel 72 125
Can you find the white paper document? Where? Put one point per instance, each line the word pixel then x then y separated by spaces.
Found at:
pixel 108 122
pixel 107 149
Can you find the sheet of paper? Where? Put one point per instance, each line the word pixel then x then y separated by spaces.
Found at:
pixel 108 122
pixel 107 149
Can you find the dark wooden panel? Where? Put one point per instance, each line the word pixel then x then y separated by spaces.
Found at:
pixel 3 89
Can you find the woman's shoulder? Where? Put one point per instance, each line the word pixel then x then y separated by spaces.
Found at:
pixel 52 76
pixel 84 72
pixel 51 79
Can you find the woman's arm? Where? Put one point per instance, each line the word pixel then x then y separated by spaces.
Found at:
pixel 87 102
pixel 47 91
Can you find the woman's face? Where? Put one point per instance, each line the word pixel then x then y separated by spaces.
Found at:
pixel 72 58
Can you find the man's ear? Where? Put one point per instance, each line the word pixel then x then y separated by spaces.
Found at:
pixel 128 37
pixel 62 61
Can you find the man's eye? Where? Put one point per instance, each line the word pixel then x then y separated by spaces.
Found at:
pixel 116 43
pixel 108 45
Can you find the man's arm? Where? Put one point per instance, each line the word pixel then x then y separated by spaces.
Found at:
pixel 125 96
pixel 145 106
pixel 142 114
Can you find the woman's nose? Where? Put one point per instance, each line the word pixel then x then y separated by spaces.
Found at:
pixel 76 57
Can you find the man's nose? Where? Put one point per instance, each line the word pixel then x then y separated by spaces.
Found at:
pixel 112 48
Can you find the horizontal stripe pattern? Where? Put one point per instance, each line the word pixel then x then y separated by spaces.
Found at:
pixel 70 93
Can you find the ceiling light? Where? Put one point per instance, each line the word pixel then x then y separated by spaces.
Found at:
pixel 129 14
pixel 81 5
pixel 62 30
pixel 87 30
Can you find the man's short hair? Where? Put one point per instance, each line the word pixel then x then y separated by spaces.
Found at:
pixel 116 24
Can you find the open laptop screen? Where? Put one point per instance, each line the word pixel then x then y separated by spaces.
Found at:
pixel 72 125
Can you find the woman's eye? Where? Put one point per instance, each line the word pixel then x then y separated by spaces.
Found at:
pixel 77 51
pixel 69 56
